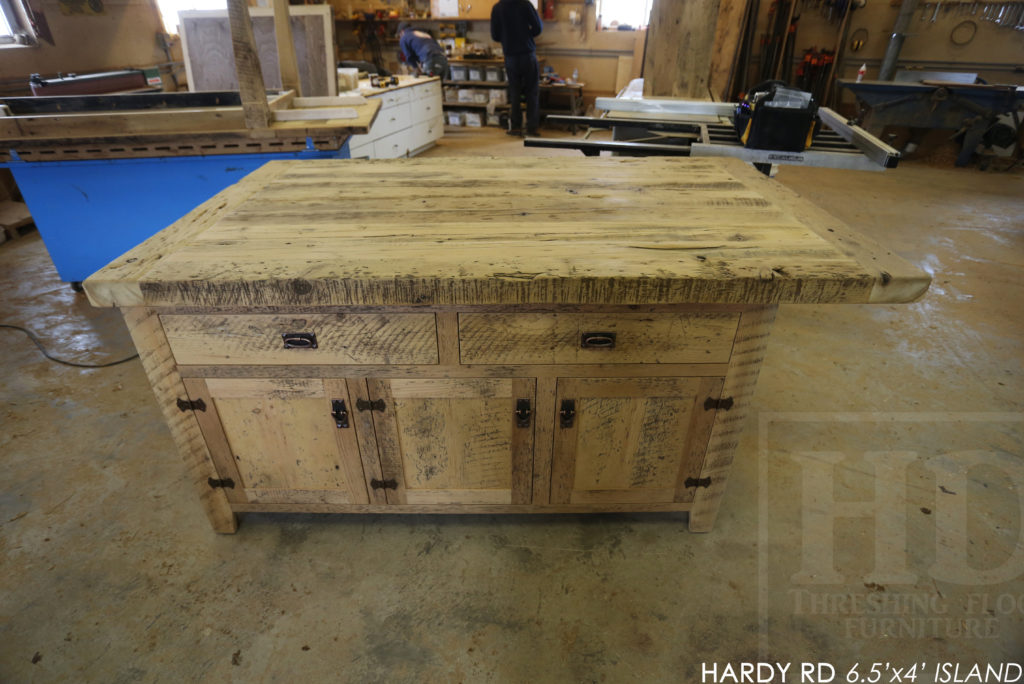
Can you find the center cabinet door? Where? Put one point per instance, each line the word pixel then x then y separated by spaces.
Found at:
pixel 455 440
pixel 630 440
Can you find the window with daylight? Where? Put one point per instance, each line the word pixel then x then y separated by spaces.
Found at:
pixel 624 15
pixel 15 24
pixel 169 10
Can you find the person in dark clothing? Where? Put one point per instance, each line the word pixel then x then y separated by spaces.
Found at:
pixel 514 24
pixel 420 50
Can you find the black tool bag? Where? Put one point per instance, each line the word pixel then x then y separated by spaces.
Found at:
pixel 774 117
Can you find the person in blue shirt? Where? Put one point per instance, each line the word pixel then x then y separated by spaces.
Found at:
pixel 514 24
pixel 421 51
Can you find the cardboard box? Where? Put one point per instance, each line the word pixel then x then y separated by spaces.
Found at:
pixel 458 73
pixel 498 96
pixel 476 73
pixel 474 119
pixel 456 118
pixel 467 95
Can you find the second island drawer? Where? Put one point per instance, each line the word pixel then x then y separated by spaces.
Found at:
pixel 553 338
pixel 307 339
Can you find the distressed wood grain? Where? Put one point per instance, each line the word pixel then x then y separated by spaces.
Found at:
pixel 631 440
pixel 557 338
pixel 609 231
pixel 465 371
pixel 285 443
pixel 287 64
pixel 729 27
pixel 216 442
pixel 463 509
pixel 158 362
pixel 447 438
pixel 341 339
pixel 680 43
pixel 740 381
pixel 207 49
pixel 544 426
pixel 366 434
pixel 247 66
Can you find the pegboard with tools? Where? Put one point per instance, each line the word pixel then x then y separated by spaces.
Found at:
pixel 1005 14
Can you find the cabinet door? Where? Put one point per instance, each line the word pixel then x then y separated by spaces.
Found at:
pixel 630 440
pixel 282 440
pixel 455 440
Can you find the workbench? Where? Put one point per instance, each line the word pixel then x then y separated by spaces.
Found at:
pixel 101 173
pixel 543 335
pixel 970 108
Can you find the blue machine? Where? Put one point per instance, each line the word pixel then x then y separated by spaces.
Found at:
pixel 91 212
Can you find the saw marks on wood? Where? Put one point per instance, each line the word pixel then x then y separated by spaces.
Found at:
pixel 495 231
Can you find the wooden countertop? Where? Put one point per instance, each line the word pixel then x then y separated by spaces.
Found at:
pixel 404 81
pixel 551 231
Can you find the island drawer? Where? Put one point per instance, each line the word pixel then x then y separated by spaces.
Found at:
pixel 556 338
pixel 307 339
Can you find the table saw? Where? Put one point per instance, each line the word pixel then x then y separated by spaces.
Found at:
pixel 698 128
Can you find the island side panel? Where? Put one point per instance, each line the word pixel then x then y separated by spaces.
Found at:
pixel 158 362
pixel 740 380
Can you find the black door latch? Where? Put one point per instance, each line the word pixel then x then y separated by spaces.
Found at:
pixel 339 413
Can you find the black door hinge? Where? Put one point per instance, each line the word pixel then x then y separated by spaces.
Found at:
pixel 567 413
pixel 694 482
pixel 723 404
pixel 339 413
pixel 375 405
pixel 226 482
pixel 384 484
pixel 189 405
pixel 523 413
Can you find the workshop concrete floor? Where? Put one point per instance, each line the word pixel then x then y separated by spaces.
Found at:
pixel 110 572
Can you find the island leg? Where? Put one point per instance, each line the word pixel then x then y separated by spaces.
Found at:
pixel 740 381
pixel 158 362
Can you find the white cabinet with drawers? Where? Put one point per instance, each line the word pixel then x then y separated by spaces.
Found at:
pixel 410 119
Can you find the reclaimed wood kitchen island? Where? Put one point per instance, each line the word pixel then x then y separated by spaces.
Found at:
pixel 478 335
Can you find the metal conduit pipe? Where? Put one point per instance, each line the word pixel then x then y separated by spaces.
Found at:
pixel 899 34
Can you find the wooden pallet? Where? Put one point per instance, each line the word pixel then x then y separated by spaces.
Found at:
pixel 14 220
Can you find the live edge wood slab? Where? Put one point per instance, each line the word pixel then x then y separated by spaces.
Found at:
pixel 478 335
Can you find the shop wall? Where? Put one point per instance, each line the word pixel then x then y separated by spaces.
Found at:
pixel 995 53
pixel 125 34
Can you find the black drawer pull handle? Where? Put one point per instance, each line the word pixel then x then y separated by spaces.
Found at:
pixel 299 340
pixel 597 340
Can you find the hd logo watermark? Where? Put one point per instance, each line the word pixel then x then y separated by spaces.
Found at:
pixel 906 527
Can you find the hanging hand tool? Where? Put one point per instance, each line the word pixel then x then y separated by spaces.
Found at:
pixel 937 6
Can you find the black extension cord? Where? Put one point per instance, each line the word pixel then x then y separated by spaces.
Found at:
pixel 35 341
